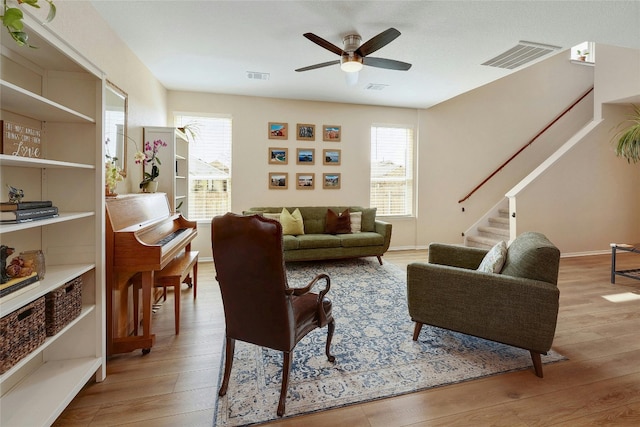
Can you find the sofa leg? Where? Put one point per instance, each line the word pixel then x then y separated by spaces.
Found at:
pixel 379 259
pixel 537 363
pixel 416 331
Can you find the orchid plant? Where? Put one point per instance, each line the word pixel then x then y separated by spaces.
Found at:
pixel 150 157
pixel 12 18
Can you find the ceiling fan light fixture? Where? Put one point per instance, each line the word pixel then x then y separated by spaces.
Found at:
pixel 351 63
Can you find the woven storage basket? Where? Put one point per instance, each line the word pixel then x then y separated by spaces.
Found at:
pixel 21 332
pixel 63 305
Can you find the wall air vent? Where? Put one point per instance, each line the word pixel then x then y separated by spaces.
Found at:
pixel 254 75
pixel 522 53
pixel 375 86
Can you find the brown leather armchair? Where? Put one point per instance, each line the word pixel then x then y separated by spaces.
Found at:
pixel 259 306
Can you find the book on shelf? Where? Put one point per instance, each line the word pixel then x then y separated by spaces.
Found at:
pixel 18 284
pixel 29 204
pixel 29 214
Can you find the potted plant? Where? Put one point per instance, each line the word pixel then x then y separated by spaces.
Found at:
pixel 150 157
pixel 582 55
pixel 12 19
pixel 628 139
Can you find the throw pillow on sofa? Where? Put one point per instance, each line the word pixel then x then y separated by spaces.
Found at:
pixel 338 223
pixel 356 221
pixel 494 260
pixel 292 223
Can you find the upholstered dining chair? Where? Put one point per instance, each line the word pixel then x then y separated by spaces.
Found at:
pixel 259 306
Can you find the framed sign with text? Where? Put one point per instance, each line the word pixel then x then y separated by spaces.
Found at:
pixel 20 140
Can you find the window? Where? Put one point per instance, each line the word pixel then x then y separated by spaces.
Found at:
pixel 392 170
pixel 209 165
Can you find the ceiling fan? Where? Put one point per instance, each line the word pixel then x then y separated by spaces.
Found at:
pixel 354 56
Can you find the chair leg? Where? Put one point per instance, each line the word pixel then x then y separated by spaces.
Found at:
pixel 416 331
pixel 228 363
pixel 286 369
pixel 537 363
pixel 379 259
pixel 331 326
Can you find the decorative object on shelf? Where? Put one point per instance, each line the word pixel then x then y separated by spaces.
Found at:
pixel 62 305
pixel 15 194
pixel 278 156
pixel 331 133
pixel 36 258
pixel 20 140
pixel 191 130
pixel 582 55
pixel 278 130
pixel 150 157
pixel 12 19
pixel 331 181
pixel 278 180
pixel 305 132
pixel 23 332
pixel 5 251
pixel 113 174
pixel 628 139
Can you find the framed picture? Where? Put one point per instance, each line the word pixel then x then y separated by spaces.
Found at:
pixel 331 181
pixel 278 156
pixel 278 130
pixel 278 180
pixel 331 157
pixel 331 133
pixel 305 132
pixel 305 156
pixel 305 181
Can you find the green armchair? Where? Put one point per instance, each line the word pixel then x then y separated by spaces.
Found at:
pixel 518 307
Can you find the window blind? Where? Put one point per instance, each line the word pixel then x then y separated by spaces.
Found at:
pixel 392 170
pixel 209 165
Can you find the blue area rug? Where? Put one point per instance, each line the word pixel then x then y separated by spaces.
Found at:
pixel 375 354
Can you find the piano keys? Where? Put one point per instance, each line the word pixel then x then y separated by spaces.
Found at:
pixel 143 236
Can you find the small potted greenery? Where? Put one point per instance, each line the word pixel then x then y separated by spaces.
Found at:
pixel 582 55
pixel 628 139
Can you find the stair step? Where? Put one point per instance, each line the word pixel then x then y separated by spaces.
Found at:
pixel 481 242
pixel 504 213
pixel 494 232
pixel 499 222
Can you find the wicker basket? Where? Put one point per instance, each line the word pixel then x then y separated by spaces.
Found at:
pixel 63 305
pixel 21 332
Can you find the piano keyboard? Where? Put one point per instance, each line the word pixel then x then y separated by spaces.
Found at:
pixel 169 237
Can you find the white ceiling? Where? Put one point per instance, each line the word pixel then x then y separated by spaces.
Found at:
pixel 209 46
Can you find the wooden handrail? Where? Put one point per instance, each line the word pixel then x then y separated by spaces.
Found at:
pixel 525 146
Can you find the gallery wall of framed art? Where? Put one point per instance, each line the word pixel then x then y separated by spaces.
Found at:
pixel 301 146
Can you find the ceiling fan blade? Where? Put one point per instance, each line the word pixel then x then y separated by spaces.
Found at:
pixel 389 64
pixel 324 64
pixel 323 43
pixel 378 42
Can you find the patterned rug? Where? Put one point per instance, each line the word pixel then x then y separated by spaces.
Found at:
pixel 375 354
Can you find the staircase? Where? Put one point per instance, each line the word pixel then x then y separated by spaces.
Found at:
pixel 495 229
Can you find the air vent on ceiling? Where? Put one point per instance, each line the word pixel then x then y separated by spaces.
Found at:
pixel 257 76
pixel 375 86
pixel 521 54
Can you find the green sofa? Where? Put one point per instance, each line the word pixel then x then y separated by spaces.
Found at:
pixel 519 306
pixel 316 244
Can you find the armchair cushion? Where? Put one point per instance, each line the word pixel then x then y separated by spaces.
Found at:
pixel 494 259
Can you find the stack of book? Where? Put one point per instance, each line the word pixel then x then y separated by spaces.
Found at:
pixel 26 211
pixel 17 286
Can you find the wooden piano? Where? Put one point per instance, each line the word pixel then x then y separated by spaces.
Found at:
pixel 142 235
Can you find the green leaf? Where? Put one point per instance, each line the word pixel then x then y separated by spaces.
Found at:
pixel 32 3
pixel 52 11
pixel 12 19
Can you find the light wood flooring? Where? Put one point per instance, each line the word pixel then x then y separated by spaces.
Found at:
pixel 174 385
